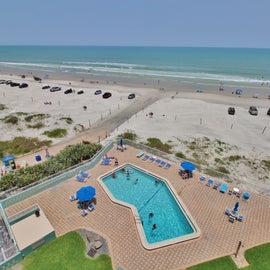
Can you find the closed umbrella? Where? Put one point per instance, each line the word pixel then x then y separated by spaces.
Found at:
pixel 121 142
pixel 235 209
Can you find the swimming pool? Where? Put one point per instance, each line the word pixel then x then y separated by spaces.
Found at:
pixel 160 216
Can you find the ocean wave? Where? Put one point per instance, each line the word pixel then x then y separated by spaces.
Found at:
pixel 134 70
pixel 110 64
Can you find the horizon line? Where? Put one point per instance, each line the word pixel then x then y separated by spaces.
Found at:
pixel 135 46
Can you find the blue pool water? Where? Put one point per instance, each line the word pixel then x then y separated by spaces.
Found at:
pixel 150 195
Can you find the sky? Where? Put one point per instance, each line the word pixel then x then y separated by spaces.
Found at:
pixel 203 23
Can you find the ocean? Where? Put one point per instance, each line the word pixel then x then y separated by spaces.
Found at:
pixel 166 65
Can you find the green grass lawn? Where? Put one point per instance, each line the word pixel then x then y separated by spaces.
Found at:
pixel 257 257
pixel 66 252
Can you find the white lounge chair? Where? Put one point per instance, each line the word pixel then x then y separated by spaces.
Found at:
pixel 140 154
pixel 72 198
pixel 91 207
pixel 84 213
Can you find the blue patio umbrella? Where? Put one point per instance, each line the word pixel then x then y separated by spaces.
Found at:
pixel 235 209
pixel 187 165
pixel 86 194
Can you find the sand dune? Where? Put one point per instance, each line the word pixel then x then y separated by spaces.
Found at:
pixel 179 117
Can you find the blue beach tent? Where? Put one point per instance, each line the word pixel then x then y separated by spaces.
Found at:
pixel 238 91
pixel 7 159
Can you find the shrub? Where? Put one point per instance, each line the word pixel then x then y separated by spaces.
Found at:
pixel 266 163
pixel 223 170
pixel 38 116
pixel 21 113
pixel 158 144
pixel 78 128
pixel 11 119
pixel 2 107
pixel 22 145
pixel 234 158
pixel 56 133
pixel 180 155
pixel 37 125
pixel 68 157
pixel 128 135
pixel 68 120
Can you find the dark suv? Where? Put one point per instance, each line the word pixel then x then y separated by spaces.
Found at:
pixel 231 110
pixel 268 112
pixel 131 96
pixel 68 91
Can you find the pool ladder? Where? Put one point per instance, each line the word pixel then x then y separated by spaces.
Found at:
pixel 137 219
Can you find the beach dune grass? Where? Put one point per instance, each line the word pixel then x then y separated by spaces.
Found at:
pixel 38 116
pixel 66 252
pixel 180 155
pixel 128 135
pixel 3 107
pixel 37 125
pixel 21 145
pixel 158 144
pixel 11 119
pixel 56 133
pixel 68 120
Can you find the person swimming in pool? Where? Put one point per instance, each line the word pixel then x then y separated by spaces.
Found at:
pixel 151 215
pixel 154 227
pixel 136 181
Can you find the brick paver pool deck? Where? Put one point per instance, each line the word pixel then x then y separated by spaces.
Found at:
pixel 115 222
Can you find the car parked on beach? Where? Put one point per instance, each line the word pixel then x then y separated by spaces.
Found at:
pixel 55 89
pixel 46 86
pixel 131 96
pixel 13 84
pixel 107 95
pixel 3 81
pixel 68 91
pixel 23 85
pixel 98 92
pixel 253 110
pixel 268 112
pixel 231 110
pixel 80 92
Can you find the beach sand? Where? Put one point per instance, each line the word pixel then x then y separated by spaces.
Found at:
pixel 180 118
